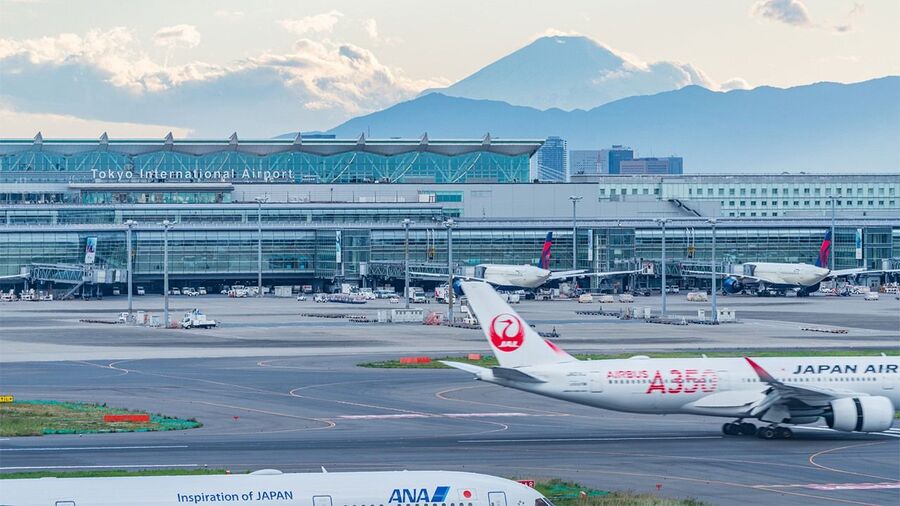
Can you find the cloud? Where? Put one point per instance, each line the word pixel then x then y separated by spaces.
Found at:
pixel 108 77
pixel 319 23
pixel 177 36
pixel 791 12
pixel 22 125
pixel 371 27
pixel 794 13
pixel 229 15
pixel 555 32
pixel 735 83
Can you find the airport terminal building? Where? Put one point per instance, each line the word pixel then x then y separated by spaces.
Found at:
pixel 332 210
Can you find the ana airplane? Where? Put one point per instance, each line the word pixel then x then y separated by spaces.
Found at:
pixel 856 394
pixel 508 276
pixel 392 488
pixel 804 278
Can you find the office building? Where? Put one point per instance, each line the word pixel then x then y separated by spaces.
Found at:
pixel 552 159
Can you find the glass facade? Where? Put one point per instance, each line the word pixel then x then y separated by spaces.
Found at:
pixel 217 252
pixel 322 161
pixel 271 214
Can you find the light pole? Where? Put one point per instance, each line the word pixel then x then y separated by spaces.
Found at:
pixel 714 275
pixel 166 226
pixel 129 224
pixel 259 203
pixel 662 222
pixel 406 223
pixel 574 199
pixel 449 225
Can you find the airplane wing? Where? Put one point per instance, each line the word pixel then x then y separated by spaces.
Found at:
pixel 503 373
pixel 852 272
pixel 741 277
pixel 567 274
pixel 581 273
pixel 443 277
pixel 781 394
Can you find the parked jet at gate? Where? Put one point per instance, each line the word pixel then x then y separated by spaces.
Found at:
pixel 392 488
pixel 523 276
pixel 804 278
pixel 858 394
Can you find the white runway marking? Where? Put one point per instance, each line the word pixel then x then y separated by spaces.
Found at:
pixel 434 415
pixel 890 432
pixel 136 466
pixel 80 448
pixel 588 439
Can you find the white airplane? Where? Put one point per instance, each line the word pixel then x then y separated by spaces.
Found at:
pixel 857 394
pixel 392 488
pixel 802 277
pixel 509 276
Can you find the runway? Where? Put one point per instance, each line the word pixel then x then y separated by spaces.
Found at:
pixel 303 413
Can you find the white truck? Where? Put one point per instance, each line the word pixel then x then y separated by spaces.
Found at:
pixel 196 319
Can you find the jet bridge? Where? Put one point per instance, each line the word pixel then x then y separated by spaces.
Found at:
pixel 75 275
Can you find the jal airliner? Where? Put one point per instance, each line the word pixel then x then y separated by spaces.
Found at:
pixel 391 488
pixel 854 394
pixel 509 276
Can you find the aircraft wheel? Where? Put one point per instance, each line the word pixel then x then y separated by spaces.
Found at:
pixel 765 433
pixel 784 433
pixel 731 429
pixel 747 429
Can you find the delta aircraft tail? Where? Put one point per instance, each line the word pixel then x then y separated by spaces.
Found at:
pixel 545 252
pixel 824 251
pixel 513 341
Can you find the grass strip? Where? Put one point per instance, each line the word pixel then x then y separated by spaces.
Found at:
pixel 39 417
pixel 491 361
pixel 565 493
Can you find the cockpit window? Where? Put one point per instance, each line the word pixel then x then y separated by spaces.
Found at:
pixel 543 502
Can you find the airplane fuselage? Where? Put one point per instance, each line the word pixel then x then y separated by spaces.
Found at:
pixel 392 488
pixel 785 275
pixel 514 276
pixel 704 386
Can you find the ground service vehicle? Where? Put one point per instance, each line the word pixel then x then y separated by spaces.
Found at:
pixel 196 319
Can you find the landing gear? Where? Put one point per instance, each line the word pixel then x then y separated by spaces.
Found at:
pixel 774 432
pixel 765 433
pixel 784 433
pixel 739 428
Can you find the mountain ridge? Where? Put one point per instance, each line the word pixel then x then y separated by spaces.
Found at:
pixel 829 126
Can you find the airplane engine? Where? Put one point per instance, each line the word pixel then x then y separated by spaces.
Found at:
pixel 861 414
pixel 732 285
pixel 813 288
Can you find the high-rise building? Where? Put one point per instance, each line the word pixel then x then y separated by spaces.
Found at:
pixel 551 160
pixel 612 158
pixel 671 165
pixel 586 161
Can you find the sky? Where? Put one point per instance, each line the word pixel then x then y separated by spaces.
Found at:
pixel 208 68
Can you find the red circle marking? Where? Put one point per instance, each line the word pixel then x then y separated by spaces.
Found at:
pixel 467 494
pixel 507 332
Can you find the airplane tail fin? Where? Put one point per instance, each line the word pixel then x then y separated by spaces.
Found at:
pixel 513 341
pixel 824 251
pixel 545 252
